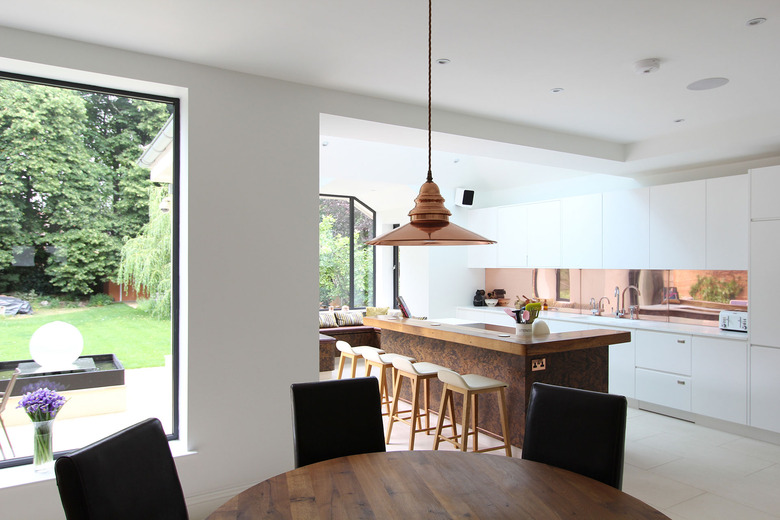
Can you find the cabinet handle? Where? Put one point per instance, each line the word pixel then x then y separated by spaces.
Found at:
pixel 680 382
pixel 680 341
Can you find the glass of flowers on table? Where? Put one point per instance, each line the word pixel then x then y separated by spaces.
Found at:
pixel 42 406
pixel 524 316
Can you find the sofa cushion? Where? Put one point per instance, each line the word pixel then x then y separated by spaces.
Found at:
pixel 328 320
pixel 376 311
pixel 346 319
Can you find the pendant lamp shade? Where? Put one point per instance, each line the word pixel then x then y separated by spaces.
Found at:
pixel 430 225
pixel 430 220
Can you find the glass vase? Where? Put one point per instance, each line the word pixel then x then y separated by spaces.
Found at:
pixel 43 456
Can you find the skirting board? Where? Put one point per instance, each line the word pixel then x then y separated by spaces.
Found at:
pixel 744 430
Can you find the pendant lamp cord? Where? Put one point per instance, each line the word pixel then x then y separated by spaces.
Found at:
pixel 430 61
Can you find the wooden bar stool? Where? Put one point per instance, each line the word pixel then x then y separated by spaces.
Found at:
pixel 353 353
pixel 383 362
pixel 416 373
pixel 471 386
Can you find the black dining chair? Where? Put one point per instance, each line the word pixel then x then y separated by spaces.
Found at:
pixel 578 430
pixel 336 418
pixel 127 475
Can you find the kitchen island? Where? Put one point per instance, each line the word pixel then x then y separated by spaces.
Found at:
pixel 577 359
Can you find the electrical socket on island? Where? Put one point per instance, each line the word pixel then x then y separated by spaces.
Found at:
pixel 538 364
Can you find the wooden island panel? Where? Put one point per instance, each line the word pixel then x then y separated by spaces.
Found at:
pixel 575 359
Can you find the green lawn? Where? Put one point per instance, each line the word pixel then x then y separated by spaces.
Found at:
pixel 137 340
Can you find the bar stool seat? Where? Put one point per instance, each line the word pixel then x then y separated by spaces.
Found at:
pixel 415 372
pixel 383 361
pixel 353 354
pixel 471 386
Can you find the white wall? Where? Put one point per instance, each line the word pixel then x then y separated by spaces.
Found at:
pixel 249 213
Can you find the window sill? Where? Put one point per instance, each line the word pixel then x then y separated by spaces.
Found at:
pixel 23 475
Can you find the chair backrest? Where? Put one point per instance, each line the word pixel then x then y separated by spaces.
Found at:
pixel 374 355
pixel 343 346
pixel 336 418
pixel 6 394
pixel 577 430
pixel 404 365
pixel 128 475
pixel 452 378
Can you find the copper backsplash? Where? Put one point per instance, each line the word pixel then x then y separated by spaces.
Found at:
pixel 676 296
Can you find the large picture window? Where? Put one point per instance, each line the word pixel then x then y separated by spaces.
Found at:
pixel 347 264
pixel 88 241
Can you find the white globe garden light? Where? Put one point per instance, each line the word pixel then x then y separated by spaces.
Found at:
pixel 56 345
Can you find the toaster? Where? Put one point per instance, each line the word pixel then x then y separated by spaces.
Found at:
pixel 734 320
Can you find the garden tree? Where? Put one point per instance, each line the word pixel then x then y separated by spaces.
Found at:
pixel 49 184
pixel 146 259
pixel 335 228
pixel 69 184
pixel 117 131
pixel 334 263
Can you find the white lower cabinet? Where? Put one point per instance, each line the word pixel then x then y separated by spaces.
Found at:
pixel 663 362
pixel 672 390
pixel 663 351
pixel 764 387
pixel 720 378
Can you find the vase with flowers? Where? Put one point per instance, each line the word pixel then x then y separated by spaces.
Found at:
pixel 42 406
pixel 524 316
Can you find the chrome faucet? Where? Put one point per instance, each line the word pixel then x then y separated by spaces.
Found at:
pixel 632 308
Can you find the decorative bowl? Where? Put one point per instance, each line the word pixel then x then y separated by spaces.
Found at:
pixel 491 302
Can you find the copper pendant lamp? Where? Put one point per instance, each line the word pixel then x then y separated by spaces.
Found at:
pixel 430 223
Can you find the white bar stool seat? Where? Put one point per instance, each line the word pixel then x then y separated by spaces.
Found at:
pixel 415 372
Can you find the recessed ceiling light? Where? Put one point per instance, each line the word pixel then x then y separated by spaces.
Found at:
pixel 324 143
pixel 708 83
pixel 756 21
pixel 556 90
pixel 442 61
pixel 679 120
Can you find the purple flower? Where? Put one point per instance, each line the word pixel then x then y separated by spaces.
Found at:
pixel 42 404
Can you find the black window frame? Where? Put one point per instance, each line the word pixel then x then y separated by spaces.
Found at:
pixel 176 221
pixel 352 199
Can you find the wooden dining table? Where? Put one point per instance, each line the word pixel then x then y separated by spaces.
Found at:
pixel 432 484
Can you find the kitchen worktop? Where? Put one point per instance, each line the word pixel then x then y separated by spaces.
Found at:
pixel 498 315
pixel 502 339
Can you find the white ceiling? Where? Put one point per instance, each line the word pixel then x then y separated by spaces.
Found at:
pixel 506 56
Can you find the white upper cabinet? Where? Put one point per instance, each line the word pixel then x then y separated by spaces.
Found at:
pixel 677 226
pixel 764 189
pixel 581 240
pixel 626 229
pixel 483 221
pixel 728 219
pixel 543 222
pixel 512 236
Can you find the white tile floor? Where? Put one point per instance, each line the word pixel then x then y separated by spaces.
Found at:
pixel 687 471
